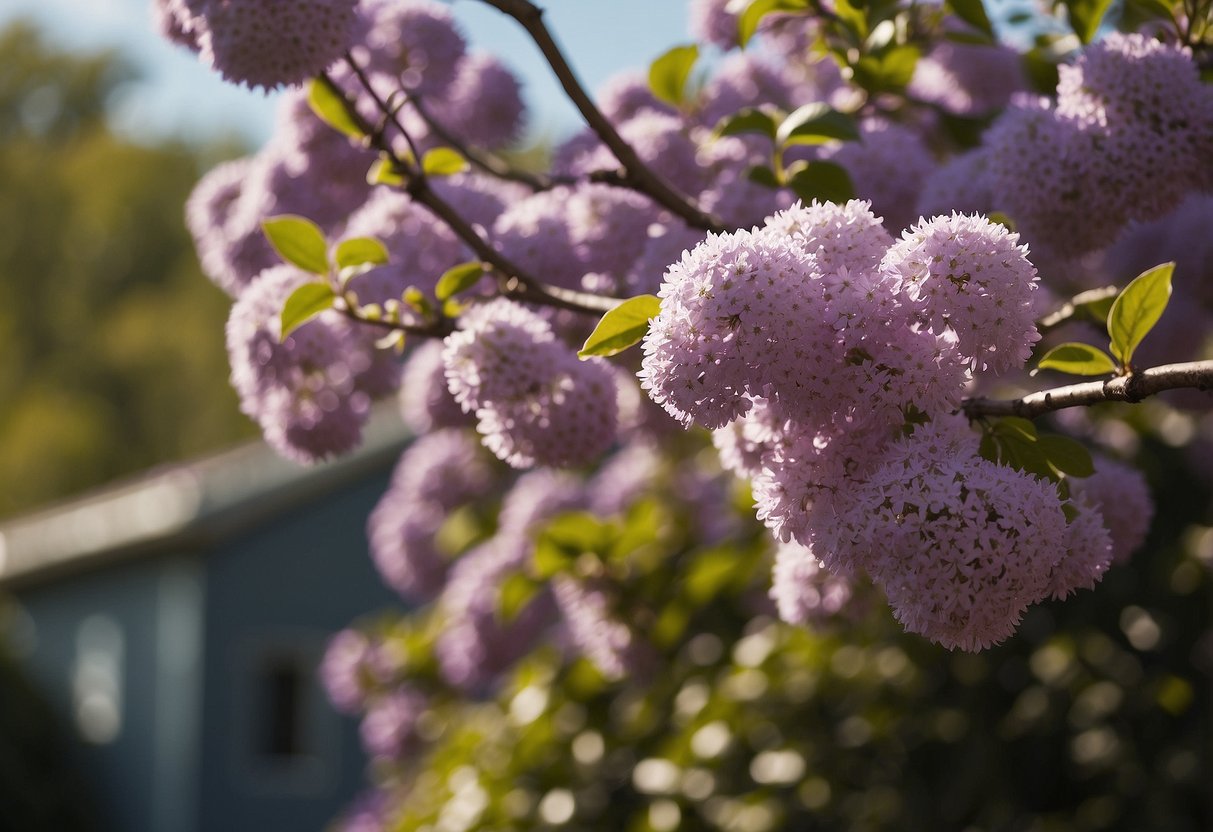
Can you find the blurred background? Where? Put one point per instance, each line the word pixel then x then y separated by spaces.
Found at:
pixel 160 634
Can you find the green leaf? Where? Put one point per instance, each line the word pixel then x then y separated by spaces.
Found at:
pixel 331 107
pixel 710 572
pixel 762 175
pixel 898 64
pixel 747 120
pixel 1079 359
pixel 752 15
pixel 443 161
pixel 669 73
pixel 1066 455
pixel 1002 219
pixel 1137 309
pixel 300 242
pixel 458 279
pixel 1024 454
pixel 1085 17
pixel 307 301
pixel 1016 426
pixel 383 172
pixel 973 12
pixel 516 592
pixel 825 181
pixel 550 559
pixel 816 123
pixel 579 531
pixel 622 327
pixel 360 251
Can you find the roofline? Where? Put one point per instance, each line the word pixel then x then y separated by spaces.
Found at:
pixel 184 507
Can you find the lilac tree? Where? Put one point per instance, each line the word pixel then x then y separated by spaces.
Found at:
pixel 843 236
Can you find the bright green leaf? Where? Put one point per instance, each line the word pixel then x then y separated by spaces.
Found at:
pixel 1003 220
pixel 973 12
pixel 710 572
pixel 307 301
pixel 1137 309
pixel 1067 455
pixel 898 64
pixel 1079 359
pixel 443 161
pixel 824 181
pixel 747 120
pixel 1086 16
pixel 816 123
pixel 669 73
pixel 300 242
pixel 550 559
pixel 622 327
pixel 516 592
pixel 330 106
pixel 360 251
pixel 579 531
pixel 752 15
pixel 383 171
pixel 458 279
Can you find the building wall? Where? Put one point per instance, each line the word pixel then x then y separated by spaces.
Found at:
pixel 275 754
pixel 115 651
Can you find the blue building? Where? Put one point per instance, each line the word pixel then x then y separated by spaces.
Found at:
pixel 175 622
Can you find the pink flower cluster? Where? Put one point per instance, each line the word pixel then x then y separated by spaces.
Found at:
pixel 812 345
pixel 535 402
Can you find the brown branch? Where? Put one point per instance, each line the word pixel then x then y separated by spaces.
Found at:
pixel 1128 388
pixel 515 282
pixel 638 175
pixel 489 162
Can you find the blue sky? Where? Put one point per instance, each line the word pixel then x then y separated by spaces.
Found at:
pixel 179 96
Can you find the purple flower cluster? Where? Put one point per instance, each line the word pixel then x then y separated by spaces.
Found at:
pixel 1129 137
pixel 806 344
pixel 440 472
pixel 262 43
pixel 310 392
pixel 535 402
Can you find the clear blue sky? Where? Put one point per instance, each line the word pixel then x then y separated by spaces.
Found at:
pixel 179 96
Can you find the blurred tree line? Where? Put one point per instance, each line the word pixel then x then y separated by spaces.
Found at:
pixel 113 341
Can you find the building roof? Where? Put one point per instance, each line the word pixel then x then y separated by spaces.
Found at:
pixel 187 506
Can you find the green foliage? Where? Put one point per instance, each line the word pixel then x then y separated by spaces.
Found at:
pixel 1079 359
pixel 330 106
pixel 114 354
pixel 443 161
pixel 823 180
pixel 360 251
pixel 305 303
pixel 1015 442
pixel 816 123
pixel 458 279
pixel 622 327
pixel 973 12
pixel 752 15
pixel 669 73
pixel 1137 309
pixel 748 120
pixel 299 241
pixel 1086 16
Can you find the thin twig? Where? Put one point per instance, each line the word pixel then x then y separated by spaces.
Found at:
pixel 486 161
pixel 635 172
pixel 515 282
pixel 1070 309
pixel 1131 388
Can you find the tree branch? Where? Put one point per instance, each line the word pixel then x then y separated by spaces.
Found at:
pixel 1129 388
pixel 515 282
pixel 638 175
